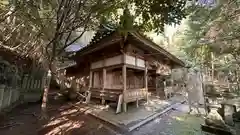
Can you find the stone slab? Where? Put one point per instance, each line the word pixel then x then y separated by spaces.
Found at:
pixel 134 117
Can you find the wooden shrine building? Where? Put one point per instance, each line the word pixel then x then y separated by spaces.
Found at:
pixel 120 69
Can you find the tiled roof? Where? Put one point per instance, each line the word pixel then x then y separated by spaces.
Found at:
pixel 107 30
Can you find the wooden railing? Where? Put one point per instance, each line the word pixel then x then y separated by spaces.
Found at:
pixel 135 94
pixel 107 94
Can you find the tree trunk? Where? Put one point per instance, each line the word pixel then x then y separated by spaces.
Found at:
pixel 47 81
pixel 50 66
pixel 44 102
pixel 212 67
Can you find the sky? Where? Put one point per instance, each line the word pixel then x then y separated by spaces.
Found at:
pixel 83 41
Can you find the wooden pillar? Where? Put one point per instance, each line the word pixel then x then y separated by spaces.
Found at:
pixel 119 104
pixel 90 79
pixel 146 80
pixel 104 83
pixel 124 75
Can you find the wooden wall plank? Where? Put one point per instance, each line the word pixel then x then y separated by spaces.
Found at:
pixel 130 60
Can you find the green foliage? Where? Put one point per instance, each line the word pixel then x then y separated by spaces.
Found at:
pixel 212 30
pixel 211 39
pixel 147 15
pixel 156 13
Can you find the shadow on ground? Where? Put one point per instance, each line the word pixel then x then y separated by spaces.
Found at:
pixel 64 119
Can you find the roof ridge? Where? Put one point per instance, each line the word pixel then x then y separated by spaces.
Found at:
pixel 103 30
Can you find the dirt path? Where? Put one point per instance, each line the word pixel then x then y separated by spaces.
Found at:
pixel 64 119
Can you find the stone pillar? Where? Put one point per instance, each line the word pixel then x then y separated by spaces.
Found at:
pixel 37 83
pixel 28 83
pixel 15 94
pixel 25 82
pixel 33 83
pixel 40 83
pixel 2 87
pixel 10 96
pixel 14 81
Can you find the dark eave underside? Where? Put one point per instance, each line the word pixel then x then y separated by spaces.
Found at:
pixel 157 48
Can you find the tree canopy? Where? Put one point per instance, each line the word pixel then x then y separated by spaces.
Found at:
pixel 209 38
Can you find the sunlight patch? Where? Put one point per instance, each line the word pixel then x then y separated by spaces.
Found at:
pixel 66 127
pixel 69 112
pixel 179 118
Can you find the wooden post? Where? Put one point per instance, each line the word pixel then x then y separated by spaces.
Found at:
pixel 104 84
pixel 146 80
pixel 90 79
pixel 124 75
pixel 119 104
pixel 137 105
